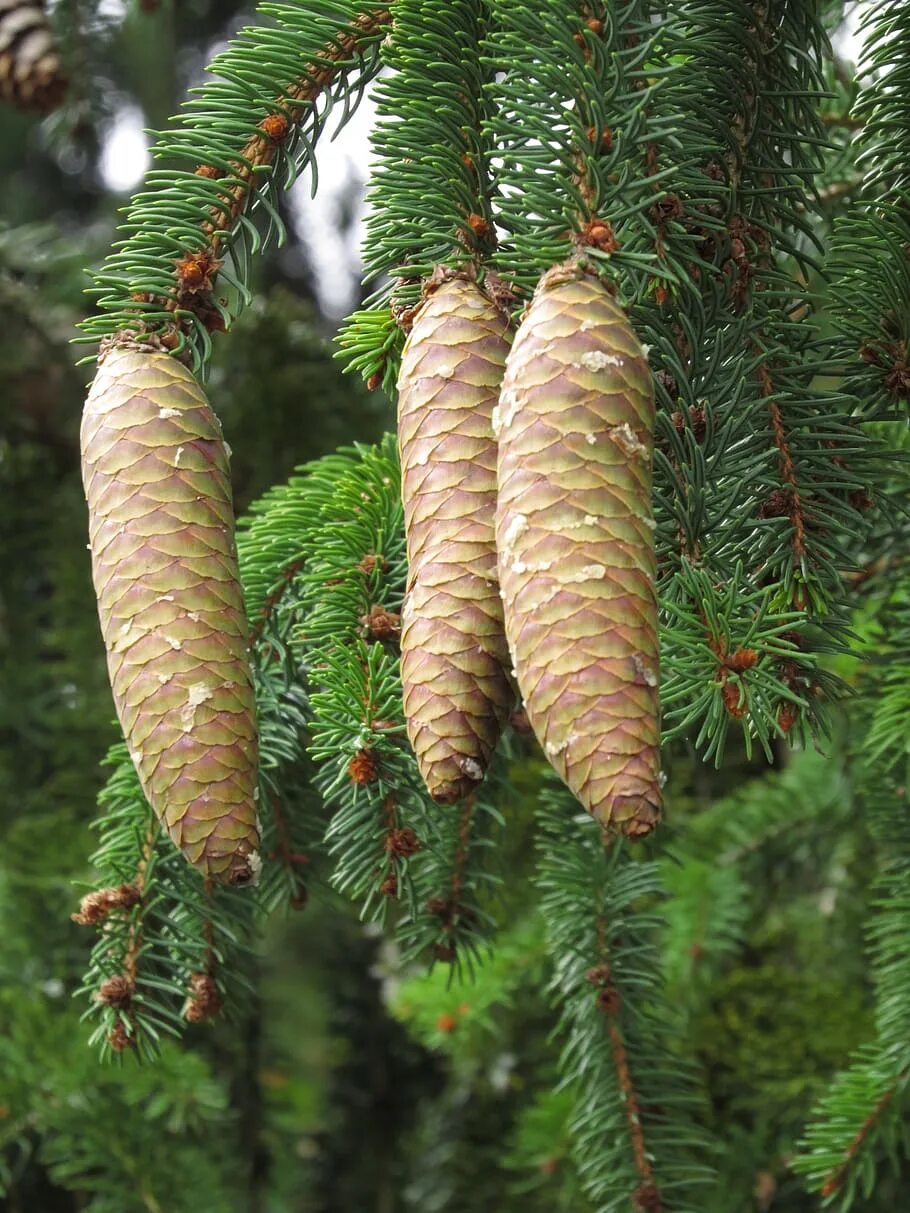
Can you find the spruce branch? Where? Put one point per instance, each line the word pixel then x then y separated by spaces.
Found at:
pixel 431 197
pixel 151 944
pixel 635 1140
pixel 172 941
pixel 855 1122
pixel 188 233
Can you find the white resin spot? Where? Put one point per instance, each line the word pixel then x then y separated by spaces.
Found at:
pixel 644 671
pixel 199 693
pixel 589 572
pixel 178 455
pixel 517 526
pixel 599 360
pixel 590 439
pixel 628 440
pixel 508 406
pixel 165 413
pixel 590 520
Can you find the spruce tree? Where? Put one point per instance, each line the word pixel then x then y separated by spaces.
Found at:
pixel 650 261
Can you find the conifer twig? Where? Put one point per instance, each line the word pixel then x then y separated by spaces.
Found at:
pixel 196 270
pixel 838 1176
pixel 609 1002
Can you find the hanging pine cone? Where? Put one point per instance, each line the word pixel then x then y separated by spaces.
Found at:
pixel 161 525
pixel 576 546
pixel 453 651
pixel 30 74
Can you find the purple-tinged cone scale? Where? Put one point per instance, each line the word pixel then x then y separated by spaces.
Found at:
pixel 575 536
pixel 454 659
pixel 164 564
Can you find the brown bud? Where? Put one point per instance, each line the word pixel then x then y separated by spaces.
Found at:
pixel 609 1000
pixel 599 975
pixel 402 842
pixel 734 699
pixel 370 562
pixel 363 768
pixel 666 209
pixel 116 992
pixel 95 907
pixel 599 234
pixel 389 887
pixel 605 143
pixel 778 504
pixel 478 225
pixel 196 271
pixel 204 1000
pixel 275 126
pixel 119 1038
pixel 381 624
pixel 787 715
pixel 742 659
pixel 374 381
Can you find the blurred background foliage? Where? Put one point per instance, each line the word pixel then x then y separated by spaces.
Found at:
pixel 352 1083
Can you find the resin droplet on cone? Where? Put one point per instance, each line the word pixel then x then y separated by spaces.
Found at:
pixel 161 526
pixel 454 658
pixel 576 546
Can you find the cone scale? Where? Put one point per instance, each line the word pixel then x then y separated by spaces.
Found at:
pixel 164 565
pixel 576 546
pixel 454 658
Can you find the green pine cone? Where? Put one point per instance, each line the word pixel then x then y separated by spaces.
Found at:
pixel 576 546
pixel 454 657
pixel 164 563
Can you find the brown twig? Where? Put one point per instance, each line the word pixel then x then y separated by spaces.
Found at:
pixel 203 1000
pixel 609 1002
pixel 785 455
pixel 836 1178
pixel 119 1038
pixel 448 908
pixel 195 272
pixel 273 599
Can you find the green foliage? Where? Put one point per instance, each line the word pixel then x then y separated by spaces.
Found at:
pixel 431 190
pixel 314 59
pixel 581 996
pixel 634 1124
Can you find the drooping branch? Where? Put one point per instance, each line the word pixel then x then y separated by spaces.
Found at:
pixel 242 138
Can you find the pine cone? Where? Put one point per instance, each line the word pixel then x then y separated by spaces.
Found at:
pixel 457 694
pixel 576 546
pixel 164 564
pixel 30 74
